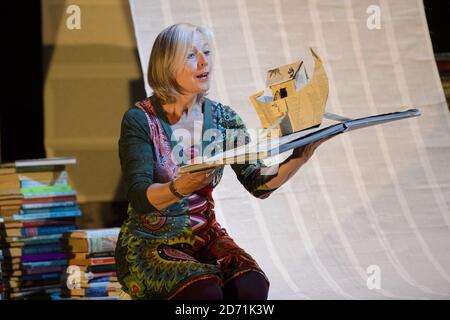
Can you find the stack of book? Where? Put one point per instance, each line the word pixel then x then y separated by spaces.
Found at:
pixel 92 270
pixel 10 196
pixel 38 206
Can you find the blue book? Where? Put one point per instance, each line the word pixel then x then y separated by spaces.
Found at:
pixel 46 215
pixel 96 292
pixel 48 204
pixel 43 276
pixel 29 241
pixel 41 231
pixel 102 279
pixel 48 248
pixel 51 209
pixel 41 264
pixel 49 194
pixel 34 183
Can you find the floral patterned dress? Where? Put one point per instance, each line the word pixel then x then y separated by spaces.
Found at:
pixel 160 252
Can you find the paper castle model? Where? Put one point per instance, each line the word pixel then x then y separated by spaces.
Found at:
pixel 297 102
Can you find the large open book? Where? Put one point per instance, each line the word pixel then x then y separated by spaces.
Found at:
pixel 269 147
pixel 291 109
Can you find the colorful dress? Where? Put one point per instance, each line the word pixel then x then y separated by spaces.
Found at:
pixel 160 252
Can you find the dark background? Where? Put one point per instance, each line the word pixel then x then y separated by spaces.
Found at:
pixel 21 115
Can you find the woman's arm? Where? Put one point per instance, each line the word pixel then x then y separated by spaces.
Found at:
pixel 290 166
pixel 161 196
pixel 136 159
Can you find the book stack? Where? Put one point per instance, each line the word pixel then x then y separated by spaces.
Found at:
pixel 10 196
pixel 91 273
pixel 41 206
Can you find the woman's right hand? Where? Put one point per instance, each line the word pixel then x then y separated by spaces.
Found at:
pixel 187 183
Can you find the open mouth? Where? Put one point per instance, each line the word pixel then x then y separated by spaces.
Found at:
pixel 203 76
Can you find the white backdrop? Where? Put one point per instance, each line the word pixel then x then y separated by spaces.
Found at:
pixel 370 205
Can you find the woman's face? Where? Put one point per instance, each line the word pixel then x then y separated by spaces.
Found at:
pixel 195 75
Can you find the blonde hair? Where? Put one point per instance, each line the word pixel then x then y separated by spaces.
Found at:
pixel 168 56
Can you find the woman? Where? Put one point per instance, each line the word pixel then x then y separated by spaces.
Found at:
pixel 171 246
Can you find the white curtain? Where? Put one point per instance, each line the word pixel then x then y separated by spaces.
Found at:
pixel 368 216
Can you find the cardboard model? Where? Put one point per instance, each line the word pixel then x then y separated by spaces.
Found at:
pixel 295 103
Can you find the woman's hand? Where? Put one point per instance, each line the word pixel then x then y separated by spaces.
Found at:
pixel 187 183
pixel 290 166
pixel 161 196
pixel 305 152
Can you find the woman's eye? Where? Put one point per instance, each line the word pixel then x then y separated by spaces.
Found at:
pixel 191 55
pixel 207 52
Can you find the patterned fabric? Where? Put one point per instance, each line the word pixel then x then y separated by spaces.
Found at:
pixel 160 252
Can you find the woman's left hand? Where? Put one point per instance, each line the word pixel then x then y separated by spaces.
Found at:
pixel 305 152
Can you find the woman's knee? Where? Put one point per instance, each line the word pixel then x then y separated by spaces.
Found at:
pixel 206 289
pixel 248 286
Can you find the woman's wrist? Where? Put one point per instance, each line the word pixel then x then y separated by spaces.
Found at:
pixel 298 156
pixel 176 191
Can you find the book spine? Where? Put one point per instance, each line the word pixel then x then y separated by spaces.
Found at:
pixel 41 264
pixel 107 284
pixel 44 270
pixel 45 195
pixel 45 189
pixel 49 204
pixel 40 231
pixel 103 279
pixel 102 268
pixel 41 249
pixel 44 257
pixel 102 261
pixel 49 199
pixel 36 242
pixel 29 183
pixel 96 292
pixel 50 209
pixel 32 240
pixel 43 276
pixel 98 275
pixel 28 291
pixel 101 254
pixel 47 215
pixel 32 223
pixel 18 282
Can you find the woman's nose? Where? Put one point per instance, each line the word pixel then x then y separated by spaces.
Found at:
pixel 202 61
